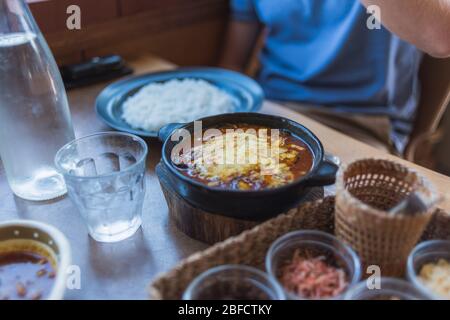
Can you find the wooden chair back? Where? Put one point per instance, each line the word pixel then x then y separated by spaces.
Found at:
pixel 435 97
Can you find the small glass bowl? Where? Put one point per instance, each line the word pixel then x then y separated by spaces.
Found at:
pixel 316 243
pixel 233 282
pixel 426 252
pixel 390 289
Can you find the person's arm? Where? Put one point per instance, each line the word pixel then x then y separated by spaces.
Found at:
pixel 242 34
pixel 239 43
pixel 423 23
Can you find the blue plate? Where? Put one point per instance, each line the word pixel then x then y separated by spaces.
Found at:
pixel 247 94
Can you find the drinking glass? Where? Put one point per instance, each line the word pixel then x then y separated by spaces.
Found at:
pixel 104 174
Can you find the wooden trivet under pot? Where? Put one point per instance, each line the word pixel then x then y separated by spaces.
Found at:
pixel 204 226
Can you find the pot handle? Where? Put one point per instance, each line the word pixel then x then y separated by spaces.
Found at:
pixel 165 132
pixel 325 175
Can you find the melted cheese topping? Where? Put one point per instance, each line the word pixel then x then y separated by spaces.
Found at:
pixel 245 159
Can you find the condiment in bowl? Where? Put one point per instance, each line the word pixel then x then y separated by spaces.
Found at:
pixel 428 269
pixel 313 265
pixel 34 258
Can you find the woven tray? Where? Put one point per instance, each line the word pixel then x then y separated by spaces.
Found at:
pixel 250 247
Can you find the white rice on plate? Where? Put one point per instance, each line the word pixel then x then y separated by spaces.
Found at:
pixel 174 101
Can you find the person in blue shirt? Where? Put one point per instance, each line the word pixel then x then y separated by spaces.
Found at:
pixel 330 60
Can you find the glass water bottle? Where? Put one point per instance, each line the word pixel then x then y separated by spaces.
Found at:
pixel 34 113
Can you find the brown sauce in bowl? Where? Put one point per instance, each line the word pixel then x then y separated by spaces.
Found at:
pixel 25 276
pixel 246 157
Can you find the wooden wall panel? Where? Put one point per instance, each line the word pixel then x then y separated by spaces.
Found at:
pixel 129 7
pixel 92 11
pixel 194 44
pixel 184 31
pixel 44 13
pixel 51 15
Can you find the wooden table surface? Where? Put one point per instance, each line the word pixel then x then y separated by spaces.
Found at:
pixel 123 270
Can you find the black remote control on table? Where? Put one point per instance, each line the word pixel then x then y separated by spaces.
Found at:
pixel 95 70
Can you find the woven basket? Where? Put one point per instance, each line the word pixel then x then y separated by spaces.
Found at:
pixel 365 190
pixel 439 227
pixel 250 247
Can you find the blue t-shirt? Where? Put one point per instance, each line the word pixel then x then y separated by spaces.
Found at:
pixel 322 52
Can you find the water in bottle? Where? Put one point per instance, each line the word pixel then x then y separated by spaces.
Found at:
pixel 34 114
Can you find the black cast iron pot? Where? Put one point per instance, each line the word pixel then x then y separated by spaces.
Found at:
pixel 248 205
